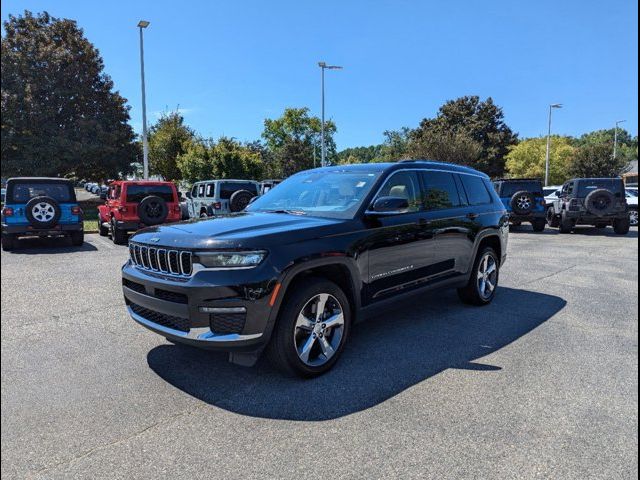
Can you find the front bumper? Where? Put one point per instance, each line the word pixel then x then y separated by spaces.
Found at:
pixel 28 230
pixel 181 309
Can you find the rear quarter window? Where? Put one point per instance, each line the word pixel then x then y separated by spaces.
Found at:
pixel 135 193
pixel 476 189
pixel 229 188
pixel 585 187
pixel 509 189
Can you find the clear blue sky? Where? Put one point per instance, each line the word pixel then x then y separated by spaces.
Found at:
pixel 230 64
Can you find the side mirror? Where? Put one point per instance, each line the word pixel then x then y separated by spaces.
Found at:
pixel 390 205
pixel 103 196
pixel 188 194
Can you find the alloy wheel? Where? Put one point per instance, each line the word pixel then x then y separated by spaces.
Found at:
pixel 43 212
pixel 319 330
pixel 633 217
pixel 487 276
pixel 524 202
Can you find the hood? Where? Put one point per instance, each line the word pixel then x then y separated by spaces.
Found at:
pixel 242 230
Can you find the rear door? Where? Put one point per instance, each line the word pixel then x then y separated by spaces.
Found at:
pixel 446 211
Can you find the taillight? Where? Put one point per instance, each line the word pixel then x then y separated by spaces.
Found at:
pixel 76 210
pixel 217 205
pixel 7 211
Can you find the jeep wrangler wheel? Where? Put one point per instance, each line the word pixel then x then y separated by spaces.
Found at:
pixel 118 235
pixel 538 224
pixel 552 218
pixel 8 242
pixel 77 238
pixel 622 225
pixel 633 216
pixel 522 202
pixel 566 224
pixel 311 330
pixel 483 282
pixel 102 230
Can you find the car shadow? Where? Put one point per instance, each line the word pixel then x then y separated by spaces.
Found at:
pixel 579 230
pixel 40 245
pixel 385 355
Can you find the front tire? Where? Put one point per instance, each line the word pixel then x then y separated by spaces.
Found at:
pixel 566 224
pixel 633 217
pixel 311 330
pixel 118 235
pixel 102 230
pixel 483 283
pixel 552 218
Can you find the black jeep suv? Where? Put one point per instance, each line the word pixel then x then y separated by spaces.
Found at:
pixel 303 262
pixel 600 202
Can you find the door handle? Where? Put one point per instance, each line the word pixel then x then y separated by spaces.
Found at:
pixel 472 216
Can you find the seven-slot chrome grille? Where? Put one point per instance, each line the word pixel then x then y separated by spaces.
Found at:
pixel 160 259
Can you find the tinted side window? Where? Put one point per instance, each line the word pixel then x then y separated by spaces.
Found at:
pixel 201 190
pixel 477 192
pixel 229 188
pixel 194 191
pixel 135 193
pixel 210 189
pixel 440 191
pixel 404 185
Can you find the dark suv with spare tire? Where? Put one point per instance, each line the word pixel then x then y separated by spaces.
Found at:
pixel 131 205
pixel 524 200
pixel 600 202
pixel 40 207
pixel 328 246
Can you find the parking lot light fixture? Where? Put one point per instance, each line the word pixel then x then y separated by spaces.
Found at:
pixel 323 152
pixel 142 24
pixel 546 167
pixel 615 139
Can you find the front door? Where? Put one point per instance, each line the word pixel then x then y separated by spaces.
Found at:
pixel 399 244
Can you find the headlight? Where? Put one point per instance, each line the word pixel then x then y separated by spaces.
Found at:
pixel 230 259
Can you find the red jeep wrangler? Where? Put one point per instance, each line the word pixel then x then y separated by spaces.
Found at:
pixel 131 205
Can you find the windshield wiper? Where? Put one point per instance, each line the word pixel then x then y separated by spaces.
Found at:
pixel 290 212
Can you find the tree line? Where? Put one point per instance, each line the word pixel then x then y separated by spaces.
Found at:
pixel 61 116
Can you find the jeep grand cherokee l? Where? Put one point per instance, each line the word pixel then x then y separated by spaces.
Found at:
pixel 303 262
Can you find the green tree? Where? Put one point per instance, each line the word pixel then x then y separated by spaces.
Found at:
pixel 358 154
pixel 60 114
pixel 452 147
pixel 294 141
pixel 482 122
pixel 596 160
pixel 169 138
pixel 527 159
pixel 395 146
pixel 627 145
pixel 226 158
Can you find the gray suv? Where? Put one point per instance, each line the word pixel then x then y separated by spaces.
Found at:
pixel 214 197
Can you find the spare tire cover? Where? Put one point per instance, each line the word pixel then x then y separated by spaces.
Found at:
pixel 522 202
pixel 600 202
pixel 43 212
pixel 153 210
pixel 239 200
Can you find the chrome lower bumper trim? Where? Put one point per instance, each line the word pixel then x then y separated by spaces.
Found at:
pixel 201 334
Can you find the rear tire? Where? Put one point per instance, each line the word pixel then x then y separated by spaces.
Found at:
pixel 633 216
pixel 77 238
pixel 118 235
pixel 539 224
pixel 566 224
pixel 286 351
pixel 622 225
pixel 8 242
pixel 102 230
pixel 471 293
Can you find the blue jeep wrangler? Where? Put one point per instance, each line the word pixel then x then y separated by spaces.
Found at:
pixel 40 207
pixel 524 200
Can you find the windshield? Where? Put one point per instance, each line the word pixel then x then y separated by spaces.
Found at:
pixel 331 194
pixel 585 187
pixel 511 188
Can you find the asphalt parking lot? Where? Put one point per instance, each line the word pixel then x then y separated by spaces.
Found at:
pixel 541 384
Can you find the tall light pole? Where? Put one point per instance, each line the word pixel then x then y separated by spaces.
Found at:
pixel 546 165
pixel 142 24
pixel 615 139
pixel 323 151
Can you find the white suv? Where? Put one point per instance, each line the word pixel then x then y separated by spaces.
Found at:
pixel 632 201
pixel 214 197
